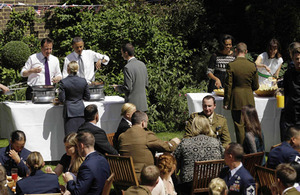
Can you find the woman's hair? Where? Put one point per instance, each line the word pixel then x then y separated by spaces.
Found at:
pixel 3 188
pixel 73 67
pixel 251 121
pixel 201 125
pixel 72 141
pixel 217 186
pixel 273 43
pixel 35 161
pixel 165 163
pixel 126 108
pixel 222 40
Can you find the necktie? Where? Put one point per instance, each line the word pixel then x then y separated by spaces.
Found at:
pixel 81 66
pixel 47 74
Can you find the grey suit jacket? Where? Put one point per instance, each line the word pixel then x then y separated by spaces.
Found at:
pixel 135 83
pixel 72 91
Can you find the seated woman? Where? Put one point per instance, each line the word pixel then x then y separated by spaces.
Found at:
pixel 166 165
pixel 4 189
pixel 217 186
pixel 126 112
pixel 71 160
pixel 203 146
pixel 254 140
pixel 37 182
pixel 269 63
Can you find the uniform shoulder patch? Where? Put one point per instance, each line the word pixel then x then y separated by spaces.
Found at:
pixel 219 115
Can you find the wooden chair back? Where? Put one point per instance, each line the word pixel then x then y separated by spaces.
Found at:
pixel 274 146
pixel 110 138
pixel 266 178
pixel 45 194
pixel 107 185
pixel 249 160
pixel 204 172
pixel 123 168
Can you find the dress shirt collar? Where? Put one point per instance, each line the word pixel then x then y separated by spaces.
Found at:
pixel 130 58
pixel 128 121
pixel 89 154
pixel 233 171
pixel 210 118
pixel 93 124
pixel 77 55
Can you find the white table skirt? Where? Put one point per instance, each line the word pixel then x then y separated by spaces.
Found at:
pixel 268 114
pixel 43 124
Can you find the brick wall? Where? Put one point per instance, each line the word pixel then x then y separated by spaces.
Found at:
pixel 4 13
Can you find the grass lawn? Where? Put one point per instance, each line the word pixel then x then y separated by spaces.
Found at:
pixel 166 136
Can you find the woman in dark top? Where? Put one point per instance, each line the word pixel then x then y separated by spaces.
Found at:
pixel 71 160
pixel 254 139
pixel 216 70
pixel 37 182
pixel 126 112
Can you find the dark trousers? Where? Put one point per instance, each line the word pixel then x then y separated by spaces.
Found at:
pixel 28 93
pixel 72 124
pixel 239 126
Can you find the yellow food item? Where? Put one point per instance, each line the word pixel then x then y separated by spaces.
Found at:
pixel 265 87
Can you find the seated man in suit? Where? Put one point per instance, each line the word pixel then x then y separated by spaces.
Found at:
pixel 141 143
pixel 92 173
pixel 15 155
pixel 149 179
pixel 286 152
pixel 237 178
pixel 217 122
pixel 91 116
pixel 286 178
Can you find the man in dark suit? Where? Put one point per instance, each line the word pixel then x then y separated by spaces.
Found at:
pixel 286 152
pixel 286 178
pixel 217 122
pixel 91 116
pixel 241 81
pixel 135 79
pixel 141 143
pixel 237 178
pixel 72 91
pixel 92 173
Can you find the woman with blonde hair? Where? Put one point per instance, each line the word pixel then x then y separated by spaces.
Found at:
pixel 4 190
pixel 71 160
pixel 217 186
pixel 126 112
pixel 37 182
pixel 202 146
pixel 166 164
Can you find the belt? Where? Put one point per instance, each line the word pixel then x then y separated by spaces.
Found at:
pixel 263 75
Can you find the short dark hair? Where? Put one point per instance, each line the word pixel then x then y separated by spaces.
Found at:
pixel 149 175
pixel 296 166
pixel 222 40
pixel 128 47
pixel 76 40
pixel 138 117
pixel 274 42
pixel 18 135
pixel 46 40
pixel 236 150
pixel 287 174
pixel 90 112
pixel 208 97
pixel 86 138
pixel 292 132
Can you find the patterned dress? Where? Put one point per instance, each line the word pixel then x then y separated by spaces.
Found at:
pixel 198 148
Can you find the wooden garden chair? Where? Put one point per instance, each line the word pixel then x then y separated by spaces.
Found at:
pixel 110 138
pixel 107 185
pixel 266 179
pixel 249 160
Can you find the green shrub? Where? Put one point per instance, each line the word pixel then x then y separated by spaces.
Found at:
pixel 15 54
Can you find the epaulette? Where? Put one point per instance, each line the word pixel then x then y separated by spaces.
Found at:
pixel 220 115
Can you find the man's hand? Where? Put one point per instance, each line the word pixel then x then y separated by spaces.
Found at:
pixel 15 156
pixel 114 86
pixel 225 107
pixel 4 88
pixel 56 79
pixel 218 83
pixel 36 70
pixel 98 64
pixel 49 170
pixel 67 177
pixel 176 140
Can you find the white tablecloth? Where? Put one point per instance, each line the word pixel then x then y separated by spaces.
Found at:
pixel 268 114
pixel 43 124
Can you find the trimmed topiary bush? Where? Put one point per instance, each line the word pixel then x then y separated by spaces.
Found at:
pixel 15 54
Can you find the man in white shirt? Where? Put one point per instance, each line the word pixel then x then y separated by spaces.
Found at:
pixel 41 68
pixel 86 60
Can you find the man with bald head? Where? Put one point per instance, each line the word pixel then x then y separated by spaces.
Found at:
pixel 241 81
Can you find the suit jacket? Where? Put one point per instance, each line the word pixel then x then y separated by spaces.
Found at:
pixel 282 154
pixel 91 176
pixel 8 162
pixel 140 144
pixel 72 91
pixel 101 142
pixel 241 183
pixel 123 126
pixel 241 81
pixel 135 83
pixel 38 183
pixel 218 125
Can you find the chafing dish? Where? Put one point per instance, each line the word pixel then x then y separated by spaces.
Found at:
pixel 43 94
